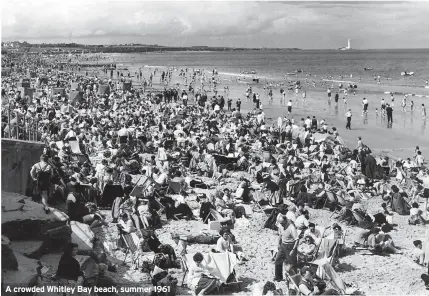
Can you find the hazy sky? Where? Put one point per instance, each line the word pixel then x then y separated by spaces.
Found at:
pixel 309 25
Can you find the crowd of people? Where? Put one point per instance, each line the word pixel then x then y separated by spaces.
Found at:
pixel 143 152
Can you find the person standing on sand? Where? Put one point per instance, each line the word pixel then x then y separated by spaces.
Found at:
pixel 349 119
pixel 411 106
pixel 337 96
pixel 383 108
pixel 288 242
pixel 289 107
pixel 238 104
pixel 365 106
pixel 423 111
pixel 345 103
pixel 389 112
pixel 304 98
pixel 229 104
pixel 329 95
pixel 404 103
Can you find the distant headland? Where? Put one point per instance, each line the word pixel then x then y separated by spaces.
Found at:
pixel 118 48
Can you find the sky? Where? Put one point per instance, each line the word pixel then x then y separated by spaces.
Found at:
pixel 304 24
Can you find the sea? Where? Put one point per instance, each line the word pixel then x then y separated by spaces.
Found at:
pixel 275 64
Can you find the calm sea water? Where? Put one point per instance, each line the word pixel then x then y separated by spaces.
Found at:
pixel 275 64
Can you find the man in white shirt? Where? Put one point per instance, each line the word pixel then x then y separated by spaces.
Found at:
pixel 314 233
pixel 419 159
pixel 291 214
pixel 349 119
pixel 162 178
pixel 418 255
pixel 301 222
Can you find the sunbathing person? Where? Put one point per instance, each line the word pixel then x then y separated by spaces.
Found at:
pixel 312 285
pixel 417 254
pixel 306 249
pixel 379 241
pixel 399 205
pixel 200 280
pixel 224 243
pixel 314 233
pixel 416 215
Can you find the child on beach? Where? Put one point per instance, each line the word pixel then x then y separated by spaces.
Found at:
pixel 423 111
pixel 411 106
pixel 345 103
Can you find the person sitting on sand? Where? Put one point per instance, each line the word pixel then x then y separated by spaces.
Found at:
pixel 224 243
pixel 416 215
pixel 200 280
pixel 417 254
pixel 399 204
pixel 385 241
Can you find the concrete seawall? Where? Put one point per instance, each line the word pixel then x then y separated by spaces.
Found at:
pixel 17 159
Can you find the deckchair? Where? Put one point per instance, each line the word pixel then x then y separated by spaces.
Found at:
pixel 74 146
pixel 222 266
pixel 341 200
pixel 174 187
pixel 293 282
pixel 141 186
pixel 331 198
pixel 361 221
pixel 256 206
pixel 186 260
pixel 130 243
pixel 228 222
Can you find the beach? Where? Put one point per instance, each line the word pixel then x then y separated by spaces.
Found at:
pixel 364 273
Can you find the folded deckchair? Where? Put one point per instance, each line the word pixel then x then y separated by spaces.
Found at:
pixel 362 222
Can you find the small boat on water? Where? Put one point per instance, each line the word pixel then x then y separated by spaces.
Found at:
pixel 368 69
pixel 407 73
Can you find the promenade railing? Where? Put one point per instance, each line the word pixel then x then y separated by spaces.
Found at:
pixel 20 127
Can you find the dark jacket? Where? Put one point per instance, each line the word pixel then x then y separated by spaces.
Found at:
pixel 69 268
